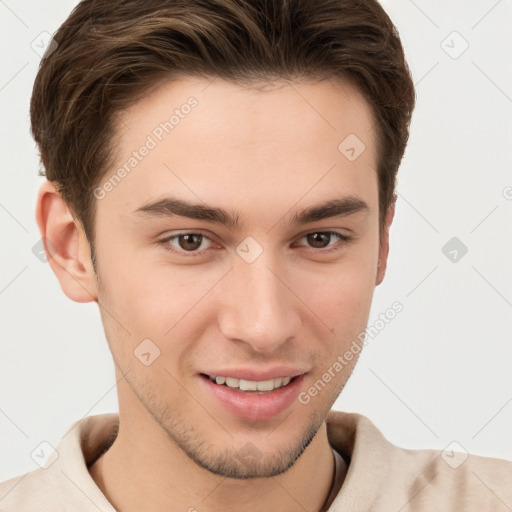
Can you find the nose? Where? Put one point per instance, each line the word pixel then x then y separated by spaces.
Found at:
pixel 258 305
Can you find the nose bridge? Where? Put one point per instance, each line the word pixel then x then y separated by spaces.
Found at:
pixel 258 308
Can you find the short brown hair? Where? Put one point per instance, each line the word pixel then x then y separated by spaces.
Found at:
pixel 109 53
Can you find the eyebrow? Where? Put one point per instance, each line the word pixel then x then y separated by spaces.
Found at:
pixel 171 207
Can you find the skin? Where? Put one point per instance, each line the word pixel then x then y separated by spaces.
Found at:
pixel 265 154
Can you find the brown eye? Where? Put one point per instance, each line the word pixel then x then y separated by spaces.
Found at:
pixel 191 243
pixel 318 240
pixel 321 240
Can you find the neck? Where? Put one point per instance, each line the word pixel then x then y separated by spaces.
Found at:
pixel 144 469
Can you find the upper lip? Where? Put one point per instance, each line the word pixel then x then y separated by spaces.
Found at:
pixel 257 374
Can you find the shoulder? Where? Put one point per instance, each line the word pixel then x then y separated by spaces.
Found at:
pixel 28 492
pixel 63 482
pixel 454 480
pixel 383 476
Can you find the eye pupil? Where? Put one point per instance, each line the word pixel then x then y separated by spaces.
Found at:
pixel 192 241
pixel 318 238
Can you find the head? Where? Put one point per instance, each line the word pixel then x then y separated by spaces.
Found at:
pixel 244 127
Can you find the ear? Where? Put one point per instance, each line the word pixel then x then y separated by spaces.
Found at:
pixel 66 246
pixel 384 244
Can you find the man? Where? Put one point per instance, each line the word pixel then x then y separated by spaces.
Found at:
pixel 220 180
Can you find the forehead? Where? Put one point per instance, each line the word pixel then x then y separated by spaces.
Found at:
pixel 258 110
pixel 211 139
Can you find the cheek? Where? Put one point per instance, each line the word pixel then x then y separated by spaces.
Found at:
pixel 157 302
pixel 344 306
pixel 344 292
pixel 335 297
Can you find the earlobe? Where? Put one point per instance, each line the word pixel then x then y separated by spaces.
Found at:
pixel 384 244
pixel 66 246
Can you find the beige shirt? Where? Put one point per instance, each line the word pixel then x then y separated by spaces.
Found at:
pixel 381 476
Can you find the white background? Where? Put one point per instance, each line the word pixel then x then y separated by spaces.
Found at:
pixel 439 372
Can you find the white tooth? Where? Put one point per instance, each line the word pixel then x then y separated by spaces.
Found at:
pixel 266 385
pixel 248 385
pixel 232 383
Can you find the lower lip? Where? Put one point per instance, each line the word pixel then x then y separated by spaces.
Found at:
pixel 254 405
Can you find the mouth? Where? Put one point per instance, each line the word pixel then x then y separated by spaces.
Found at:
pixel 253 400
pixel 262 386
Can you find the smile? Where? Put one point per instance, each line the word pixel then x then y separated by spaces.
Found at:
pixel 253 400
pixel 251 385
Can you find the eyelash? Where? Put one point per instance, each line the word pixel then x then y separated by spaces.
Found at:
pixel 167 246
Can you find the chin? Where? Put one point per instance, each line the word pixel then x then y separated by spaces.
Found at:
pixel 250 460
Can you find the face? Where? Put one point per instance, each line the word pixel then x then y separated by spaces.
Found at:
pixel 242 243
